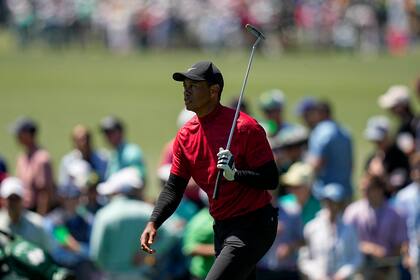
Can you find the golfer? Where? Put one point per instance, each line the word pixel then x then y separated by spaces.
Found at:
pixel 245 221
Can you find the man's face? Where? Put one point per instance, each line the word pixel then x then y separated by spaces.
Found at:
pixel 399 110
pixel 196 95
pixel 25 138
pixel 114 137
pixel 14 206
pixel 415 172
pixel 370 191
pixel 302 193
pixel 381 144
pixel 310 118
pixel 273 114
pixel 81 142
pixel 332 206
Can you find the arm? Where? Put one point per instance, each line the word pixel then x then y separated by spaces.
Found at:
pixel 308 265
pixel 45 194
pixel 308 262
pixel 168 201
pixel 205 250
pixel 263 177
pixel 355 258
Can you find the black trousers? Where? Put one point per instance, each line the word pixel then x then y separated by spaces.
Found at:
pixel 241 242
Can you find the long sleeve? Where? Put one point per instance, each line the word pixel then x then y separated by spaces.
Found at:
pixel 353 254
pixel 308 262
pixel 169 199
pixel 265 177
pixel 309 266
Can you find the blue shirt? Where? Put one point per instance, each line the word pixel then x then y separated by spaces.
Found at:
pixel 407 201
pixel 290 230
pixel 126 155
pixel 333 145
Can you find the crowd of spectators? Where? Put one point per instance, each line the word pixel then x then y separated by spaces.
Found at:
pixel 89 218
pixel 365 25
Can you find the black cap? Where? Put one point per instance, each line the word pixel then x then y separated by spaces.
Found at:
pixel 202 71
pixel 24 124
pixel 110 123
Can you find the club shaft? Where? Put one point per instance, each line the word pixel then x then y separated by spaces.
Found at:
pixel 238 106
pixel 235 118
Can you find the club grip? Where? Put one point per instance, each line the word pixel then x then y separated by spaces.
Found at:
pixel 216 185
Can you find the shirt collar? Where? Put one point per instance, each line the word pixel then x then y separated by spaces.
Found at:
pixel 212 115
pixel 121 146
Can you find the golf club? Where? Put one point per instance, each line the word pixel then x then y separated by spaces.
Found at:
pixel 254 31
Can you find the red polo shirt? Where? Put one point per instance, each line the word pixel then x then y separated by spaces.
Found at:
pixel 195 154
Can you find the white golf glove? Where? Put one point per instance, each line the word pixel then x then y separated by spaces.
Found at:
pixel 226 163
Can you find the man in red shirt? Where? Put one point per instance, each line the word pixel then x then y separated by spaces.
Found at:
pixel 245 221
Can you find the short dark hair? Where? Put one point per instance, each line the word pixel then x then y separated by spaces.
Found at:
pixel 202 71
pixel 324 106
pixel 25 124
pixel 372 180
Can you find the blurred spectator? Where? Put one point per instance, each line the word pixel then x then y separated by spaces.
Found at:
pixel 359 27
pixel 83 150
pixel 192 200
pixel 331 250
pixel 4 13
pixel 387 160
pixel 272 105
pixel 397 33
pixel 3 169
pixel 289 146
pixel 81 175
pixel 382 231
pixel 330 151
pixel 407 201
pixel 70 227
pixel 115 20
pixel 280 262
pixel 114 240
pixel 199 243
pixel 397 101
pixel 306 110
pixel 217 25
pixel 124 154
pixel 90 199
pixel 299 180
pixel 34 168
pixel 244 105
pixel 14 218
pixel 22 19
pixel 417 86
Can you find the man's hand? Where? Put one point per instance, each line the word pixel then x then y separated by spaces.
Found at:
pixel 372 249
pixel 148 237
pixel 226 163
pixel 283 251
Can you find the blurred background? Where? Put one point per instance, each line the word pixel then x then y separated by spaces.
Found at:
pixel 70 62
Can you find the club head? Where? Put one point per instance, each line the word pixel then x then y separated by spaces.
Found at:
pixel 254 31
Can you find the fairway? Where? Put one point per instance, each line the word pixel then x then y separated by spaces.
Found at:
pixel 62 88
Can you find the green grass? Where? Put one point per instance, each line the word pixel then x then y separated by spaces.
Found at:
pixel 63 88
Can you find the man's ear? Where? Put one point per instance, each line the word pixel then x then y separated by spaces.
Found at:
pixel 215 91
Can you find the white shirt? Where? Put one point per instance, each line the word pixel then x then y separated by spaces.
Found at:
pixel 330 249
